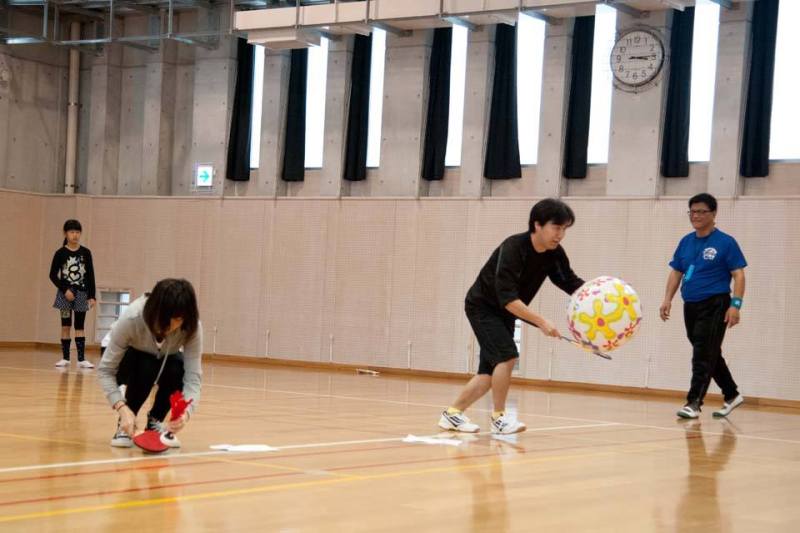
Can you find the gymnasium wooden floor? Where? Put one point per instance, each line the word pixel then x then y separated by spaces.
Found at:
pixel 589 462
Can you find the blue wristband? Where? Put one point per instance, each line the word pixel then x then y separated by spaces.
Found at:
pixel 736 302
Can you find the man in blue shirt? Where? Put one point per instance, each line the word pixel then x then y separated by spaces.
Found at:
pixel 703 265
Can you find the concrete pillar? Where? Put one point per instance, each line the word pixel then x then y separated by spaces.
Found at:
pixel 5 117
pixel 477 105
pixel 636 124
pixel 132 105
pixel 729 100
pixel 182 167
pixel 158 120
pixel 213 88
pixel 104 122
pixel 552 119
pixel 405 90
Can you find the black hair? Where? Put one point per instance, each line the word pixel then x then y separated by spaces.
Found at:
pixel 171 298
pixel 550 210
pixel 704 198
pixel 71 225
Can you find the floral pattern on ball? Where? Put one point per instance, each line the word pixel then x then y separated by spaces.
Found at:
pixel 604 313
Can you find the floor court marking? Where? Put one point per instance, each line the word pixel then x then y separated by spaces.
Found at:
pixel 284 486
pixel 123 460
pixel 211 461
pixel 590 420
pixel 335 470
pixel 400 402
pixel 42 439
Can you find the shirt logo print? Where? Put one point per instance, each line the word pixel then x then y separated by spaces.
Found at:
pixel 709 254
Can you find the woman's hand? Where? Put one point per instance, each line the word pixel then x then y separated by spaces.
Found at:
pixel 127 420
pixel 174 426
pixel 69 296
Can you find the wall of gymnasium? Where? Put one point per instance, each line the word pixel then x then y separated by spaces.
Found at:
pixel 381 281
pixel 147 118
pixel 379 278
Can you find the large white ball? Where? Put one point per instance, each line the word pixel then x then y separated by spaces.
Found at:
pixel 604 313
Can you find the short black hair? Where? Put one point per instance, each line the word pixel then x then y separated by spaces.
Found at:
pixel 704 198
pixel 71 225
pixel 171 298
pixel 550 210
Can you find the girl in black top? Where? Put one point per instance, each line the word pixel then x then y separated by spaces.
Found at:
pixel 72 272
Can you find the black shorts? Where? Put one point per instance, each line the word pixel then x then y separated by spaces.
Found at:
pixel 495 335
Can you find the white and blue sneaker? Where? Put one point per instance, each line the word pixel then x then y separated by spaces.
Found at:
pixel 505 425
pixel 457 422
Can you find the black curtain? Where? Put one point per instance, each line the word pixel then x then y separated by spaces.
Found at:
pixel 675 142
pixel 576 139
pixel 294 143
pixel 438 105
pixel 238 165
pixel 758 113
pixel 502 144
pixel 355 155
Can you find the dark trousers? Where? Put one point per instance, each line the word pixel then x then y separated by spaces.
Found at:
pixel 705 327
pixel 138 371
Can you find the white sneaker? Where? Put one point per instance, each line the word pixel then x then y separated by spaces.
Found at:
pixel 690 410
pixel 457 422
pixel 728 407
pixel 121 439
pixel 62 363
pixel 169 439
pixel 85 364
pixel 505 425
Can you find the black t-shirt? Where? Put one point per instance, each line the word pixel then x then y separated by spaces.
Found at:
pixel 515 271
pixel 73 270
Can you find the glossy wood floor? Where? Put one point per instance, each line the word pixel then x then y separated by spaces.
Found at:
pixel 589 462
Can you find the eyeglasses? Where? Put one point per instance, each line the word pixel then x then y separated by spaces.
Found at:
pixel 695 212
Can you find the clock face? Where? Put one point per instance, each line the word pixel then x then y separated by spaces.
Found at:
pixel 636 58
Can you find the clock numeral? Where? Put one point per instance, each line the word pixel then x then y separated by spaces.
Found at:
pixel 619 59
pixel 621 68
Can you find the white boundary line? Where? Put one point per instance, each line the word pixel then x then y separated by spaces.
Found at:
pixel 438 406
pixel 123 460
pixel 590 423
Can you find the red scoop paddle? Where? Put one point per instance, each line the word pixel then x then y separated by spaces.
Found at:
pixel 150 440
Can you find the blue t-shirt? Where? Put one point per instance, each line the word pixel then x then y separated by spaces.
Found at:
pixel 706 264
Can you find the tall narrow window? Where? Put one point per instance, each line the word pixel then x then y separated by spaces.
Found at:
pixel 530 62
pixel 315 103
pixel 376 97
pixel 458 78
pixel 784 143
pixel 605 25
pixel 704 70
pixel 258 94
